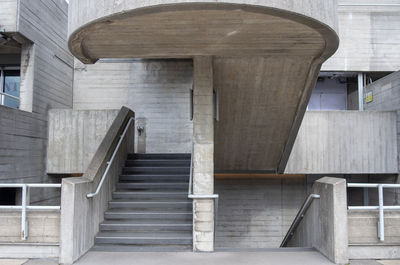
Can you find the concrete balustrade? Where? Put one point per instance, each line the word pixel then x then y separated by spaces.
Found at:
pixel 324 226
pixel 81 216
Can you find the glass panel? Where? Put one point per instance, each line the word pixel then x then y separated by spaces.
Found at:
pixel 11 87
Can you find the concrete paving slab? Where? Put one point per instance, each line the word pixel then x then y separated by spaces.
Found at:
pixel 42 262
pixel 389 262
pixel 12 261
pixel 216 258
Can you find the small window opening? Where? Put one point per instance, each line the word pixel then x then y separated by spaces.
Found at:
pixel 10 86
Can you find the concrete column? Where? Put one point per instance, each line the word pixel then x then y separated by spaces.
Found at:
pixel 203 154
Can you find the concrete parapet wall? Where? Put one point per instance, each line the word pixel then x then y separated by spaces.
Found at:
pixel 43 234
pixel 345 142
pixel 324 226
pixel 44 227
pixel 81 216
pixel 74 136
pixel 363 235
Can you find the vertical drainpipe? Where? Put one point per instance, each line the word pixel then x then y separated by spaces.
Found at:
pixel 361 91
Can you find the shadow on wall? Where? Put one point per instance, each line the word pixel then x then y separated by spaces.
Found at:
pixel 257 212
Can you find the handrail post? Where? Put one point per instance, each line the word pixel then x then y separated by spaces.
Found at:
pixel 24 229
pixel 381 216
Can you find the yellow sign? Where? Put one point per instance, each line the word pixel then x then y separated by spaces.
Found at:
pixel 368 98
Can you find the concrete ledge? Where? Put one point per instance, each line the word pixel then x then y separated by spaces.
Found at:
pixel 28 250
pixel 374 252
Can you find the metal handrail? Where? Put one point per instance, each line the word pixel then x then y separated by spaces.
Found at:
pixel 10 96
pixel 109 162
pixel 300 215
pixel 25 203
pixel 214 197
pixel 381 207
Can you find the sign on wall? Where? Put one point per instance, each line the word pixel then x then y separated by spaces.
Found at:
pixel 368 97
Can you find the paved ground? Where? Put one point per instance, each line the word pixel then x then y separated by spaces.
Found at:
pixel 221 258
pixel 28 262
pixel 217 258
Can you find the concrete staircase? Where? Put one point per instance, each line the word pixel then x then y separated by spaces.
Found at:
pixel 149 210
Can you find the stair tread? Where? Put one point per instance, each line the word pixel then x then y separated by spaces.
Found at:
pixel 141 248
pixel 150 208
pixel 152 235
pixel 153 192
pixel 127 211
pixel 155 175
pixel 145 223
pixel 149 202
pixel 159 160
pixel 177 167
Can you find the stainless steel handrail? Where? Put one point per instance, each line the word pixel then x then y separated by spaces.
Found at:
pixel 299 217
pixel 91 195
pixel 25 203
pixel 214 197
pixel 10 96
pixel 381 208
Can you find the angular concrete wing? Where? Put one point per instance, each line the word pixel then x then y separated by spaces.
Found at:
pixel 266 58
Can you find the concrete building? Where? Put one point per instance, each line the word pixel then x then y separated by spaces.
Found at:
pixel 203 126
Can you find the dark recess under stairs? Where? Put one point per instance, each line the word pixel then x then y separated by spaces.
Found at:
pixel 150 209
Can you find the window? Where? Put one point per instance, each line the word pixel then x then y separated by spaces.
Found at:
pixel 10 86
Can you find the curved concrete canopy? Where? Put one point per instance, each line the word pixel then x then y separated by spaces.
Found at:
pixel 177 29
pixel 267 56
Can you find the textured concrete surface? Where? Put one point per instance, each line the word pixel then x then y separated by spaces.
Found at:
pixel 42 262
pixel 44 227
pixel 203 154
pixel 257 213
pixel 324 226
pixel 28 262
pixel 364 262
pixel 217 258
pixel 80 217
pixel 12 261
pixel 389 262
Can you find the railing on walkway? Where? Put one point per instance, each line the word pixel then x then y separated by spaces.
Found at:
pixel 24 207
pixel 109 162
pixel 300 215
pixel 214 197
pixel 381 208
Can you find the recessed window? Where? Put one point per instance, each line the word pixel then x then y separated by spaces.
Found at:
pixel 10 78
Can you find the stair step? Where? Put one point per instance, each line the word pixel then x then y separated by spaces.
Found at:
pixel 159 156
pixel 152 186
pixel 138 238
pixel 142 248
pixel 113 214
pixel 157 163
pixel 150 195
pixel 159 178
pixel 184 205
pixel 156 170
pixel 145 226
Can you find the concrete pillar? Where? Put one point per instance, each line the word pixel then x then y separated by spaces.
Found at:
pixel 203 154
